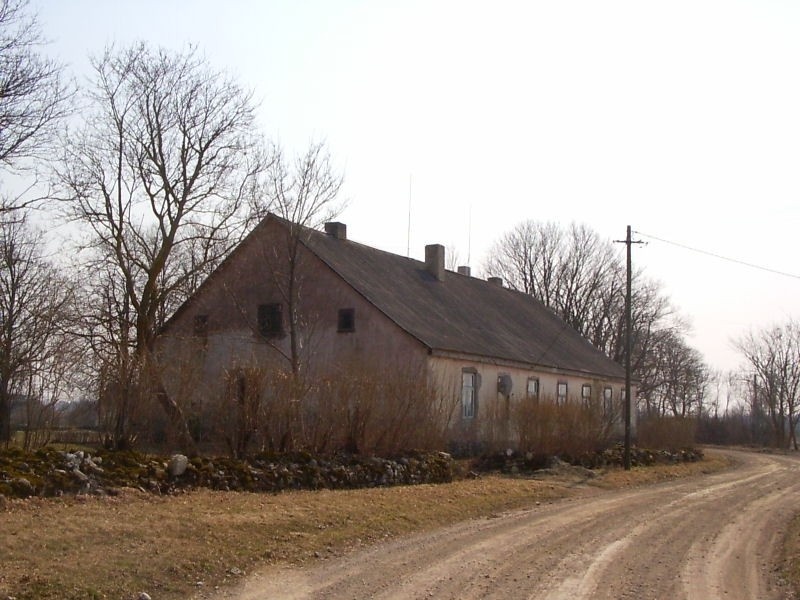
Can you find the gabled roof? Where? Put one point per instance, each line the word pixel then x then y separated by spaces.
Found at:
pixel 461 314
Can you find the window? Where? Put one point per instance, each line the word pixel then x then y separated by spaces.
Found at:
pixel 561 396
pixel 469 380
pixel 586 393
pixel 622 395
pixel 201 326
pixel 608 397
pixel 270 320
pixel 533 387
pixel 347 320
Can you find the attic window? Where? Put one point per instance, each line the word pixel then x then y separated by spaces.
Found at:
pixel 347 320
pixel 201 326
pixel 270 320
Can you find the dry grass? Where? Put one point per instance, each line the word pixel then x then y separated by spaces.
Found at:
pixel 115 547
pixel 619 478
pixel 791 555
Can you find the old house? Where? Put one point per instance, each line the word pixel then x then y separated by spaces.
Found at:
pixel 320 302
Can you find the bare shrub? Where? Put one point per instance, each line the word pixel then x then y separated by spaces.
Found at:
pixel 667 432
pixel 543 426
pixel 358 407
pixel 378 408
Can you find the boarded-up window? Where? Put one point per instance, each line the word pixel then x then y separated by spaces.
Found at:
pixel 347 320
pixel 270 320
pixel 201 326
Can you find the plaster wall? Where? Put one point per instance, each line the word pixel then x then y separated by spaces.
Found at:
pixel 257 274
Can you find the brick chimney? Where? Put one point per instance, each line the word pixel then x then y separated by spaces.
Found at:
pixel 498 281
pixel 464 271
pixel 336 230
pixel 434 260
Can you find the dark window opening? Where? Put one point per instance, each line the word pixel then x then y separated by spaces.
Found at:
pixel 347 320
pixel 270 320
pixel 201 326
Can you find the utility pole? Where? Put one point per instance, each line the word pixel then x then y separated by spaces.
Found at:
pixel 628 335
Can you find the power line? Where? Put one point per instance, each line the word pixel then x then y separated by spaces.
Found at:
pixel 719 256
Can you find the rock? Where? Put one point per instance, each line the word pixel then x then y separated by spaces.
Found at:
pixel 177 465
pixel 71 460
pixel 80 475
pixel 90 465
pixel 143 596
pixel 22 487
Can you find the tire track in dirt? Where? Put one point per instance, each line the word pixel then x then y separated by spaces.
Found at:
pixel 706 537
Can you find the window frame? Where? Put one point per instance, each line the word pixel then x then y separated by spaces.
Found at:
pixel 561 399
pixel 469 406
pixel 608 400
pixel 532 395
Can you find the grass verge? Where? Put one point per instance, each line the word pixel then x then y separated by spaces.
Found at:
pixel 115 547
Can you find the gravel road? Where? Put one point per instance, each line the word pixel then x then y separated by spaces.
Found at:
pixel 715 536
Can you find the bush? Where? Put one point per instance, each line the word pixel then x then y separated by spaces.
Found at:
pixel 667 432
pixel 543 427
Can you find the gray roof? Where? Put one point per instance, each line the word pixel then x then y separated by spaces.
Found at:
pixel 461 314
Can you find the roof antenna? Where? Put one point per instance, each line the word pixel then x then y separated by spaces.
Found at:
pixel 408 247
pixel 469 237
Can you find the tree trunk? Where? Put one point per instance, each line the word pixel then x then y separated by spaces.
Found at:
pixel 5 418
pixel 178 421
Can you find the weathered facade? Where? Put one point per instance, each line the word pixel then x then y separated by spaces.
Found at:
pixel 319 303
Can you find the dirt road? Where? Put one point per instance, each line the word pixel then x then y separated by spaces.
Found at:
pixel 715 536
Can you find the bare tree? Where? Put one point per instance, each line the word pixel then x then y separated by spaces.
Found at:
pixel 159 174
pixel 33 95
pixel 34 98
pixel 581 277
pixel 678 381
pixel 572 270
pixel 305 195
pixel 773 358
pixel 35 308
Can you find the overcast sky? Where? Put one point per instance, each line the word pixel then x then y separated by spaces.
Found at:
pixel 681 119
